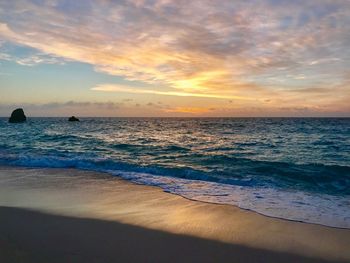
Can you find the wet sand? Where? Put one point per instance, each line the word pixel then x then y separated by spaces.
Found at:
pixel 67 215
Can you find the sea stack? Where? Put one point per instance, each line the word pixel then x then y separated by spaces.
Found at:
pixel 17 116
pixel 73 118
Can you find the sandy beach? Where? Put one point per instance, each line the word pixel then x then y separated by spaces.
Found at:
pixel 67 215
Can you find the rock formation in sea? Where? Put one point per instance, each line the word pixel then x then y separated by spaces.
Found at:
pixel 73 118
pixel 17 116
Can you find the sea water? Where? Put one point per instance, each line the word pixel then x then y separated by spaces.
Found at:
pixel 292 168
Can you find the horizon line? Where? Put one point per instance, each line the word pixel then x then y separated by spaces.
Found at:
pixel 191 117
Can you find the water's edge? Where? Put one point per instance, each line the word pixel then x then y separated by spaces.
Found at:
pixel 296 169
pixel 133 178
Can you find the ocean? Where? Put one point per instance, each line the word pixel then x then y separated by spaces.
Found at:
pixel 292 168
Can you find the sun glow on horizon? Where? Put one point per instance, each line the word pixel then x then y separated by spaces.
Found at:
pixel 279 58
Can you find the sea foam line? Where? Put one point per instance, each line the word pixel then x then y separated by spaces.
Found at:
pixel 301 206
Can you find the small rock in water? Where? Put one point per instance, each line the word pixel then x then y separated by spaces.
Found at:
pixel 73 118
pixel 17 116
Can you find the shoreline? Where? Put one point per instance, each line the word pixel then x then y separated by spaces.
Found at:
pixel 255 212
pixel 127 178
pixel 93 195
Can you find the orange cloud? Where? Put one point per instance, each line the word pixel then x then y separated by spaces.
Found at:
pixel 196 48
pixel 127 89
pixel 190 110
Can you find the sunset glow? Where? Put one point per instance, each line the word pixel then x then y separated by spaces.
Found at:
pixel 175 58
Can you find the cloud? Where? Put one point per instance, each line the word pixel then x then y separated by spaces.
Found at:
pixel 189 110
pixel 4 56
pixel 64 108
pixel 323 60
pixel 128 89
pixel 38 59
pixel 32 59
pixel 241 50
pixel 72 104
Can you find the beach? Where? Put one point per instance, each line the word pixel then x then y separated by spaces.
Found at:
pixel 174 131
pixel 70 215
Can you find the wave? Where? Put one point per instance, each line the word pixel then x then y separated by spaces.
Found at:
pixel 246 162
pixel 325 209
pixel 317 178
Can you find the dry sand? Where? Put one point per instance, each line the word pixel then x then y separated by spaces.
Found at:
pixel 67 215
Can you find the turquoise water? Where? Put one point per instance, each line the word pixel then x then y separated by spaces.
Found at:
pixel 292 168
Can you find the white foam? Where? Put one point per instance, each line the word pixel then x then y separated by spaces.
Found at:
pixel 294 205
pixel 314 208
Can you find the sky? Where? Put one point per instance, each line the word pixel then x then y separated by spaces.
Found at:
pixel 151 58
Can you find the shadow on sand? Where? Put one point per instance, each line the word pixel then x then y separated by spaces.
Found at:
pixel 28 236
